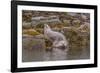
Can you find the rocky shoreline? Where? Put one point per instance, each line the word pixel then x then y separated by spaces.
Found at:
pixel 75 27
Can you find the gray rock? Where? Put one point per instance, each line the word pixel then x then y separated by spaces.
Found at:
pixel 72 13
pixel 43 20
pixel 26 24
pixel 84 17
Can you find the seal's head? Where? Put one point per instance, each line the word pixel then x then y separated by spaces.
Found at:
pixel 46 26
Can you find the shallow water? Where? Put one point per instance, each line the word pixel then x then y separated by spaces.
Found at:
pixel 30 55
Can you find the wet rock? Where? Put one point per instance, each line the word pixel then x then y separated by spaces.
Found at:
pixel 33 43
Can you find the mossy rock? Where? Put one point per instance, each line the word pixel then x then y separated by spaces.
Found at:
pixel 40 30
pixel 75 39
pixel 31 32
pixel 40 25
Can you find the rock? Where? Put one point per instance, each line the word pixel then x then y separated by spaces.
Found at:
pixel 76 22
pixel 76 36
pixel 27 15
pixel 26 35
pixel 84 30
pixel 41 36
pixel 84 17
pixel 68 29
pixel 67 22
pixel 30 32
pixel 33 43
pixel 42 20
pixel 84 26
pixel 26 25
pixel 72 13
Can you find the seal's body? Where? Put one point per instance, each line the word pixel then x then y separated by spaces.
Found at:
pixel 57 38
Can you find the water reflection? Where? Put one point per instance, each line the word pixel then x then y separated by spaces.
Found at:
pixel 55 54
